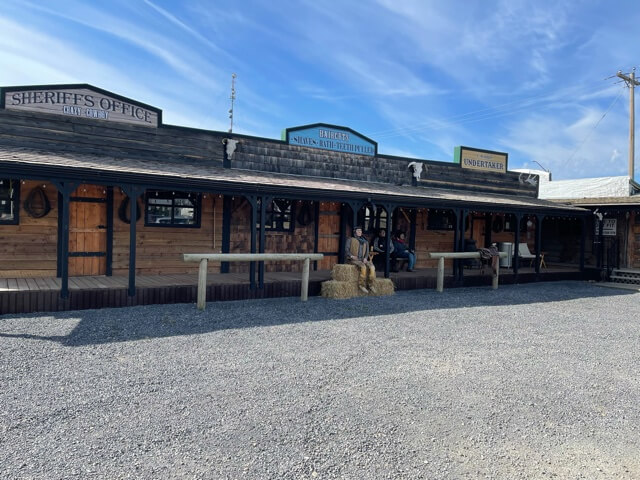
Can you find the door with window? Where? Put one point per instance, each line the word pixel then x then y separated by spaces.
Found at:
pixel 88 231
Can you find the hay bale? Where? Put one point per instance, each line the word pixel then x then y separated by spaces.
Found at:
pixel 345 273
pixel 383 286
pixel 336 289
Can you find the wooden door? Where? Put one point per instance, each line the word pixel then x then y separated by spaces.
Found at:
pixel 478 233
pixel 329 234
pixel 88 231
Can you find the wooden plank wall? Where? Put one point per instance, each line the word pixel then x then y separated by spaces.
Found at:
pixel 73 134
pixel 301 240
pixel 30 248
pixel 159 249
pixel 329 234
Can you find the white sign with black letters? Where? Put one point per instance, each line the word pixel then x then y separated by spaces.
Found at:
pixel 609 227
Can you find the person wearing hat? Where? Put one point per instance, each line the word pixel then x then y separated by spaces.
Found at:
pixel 357 253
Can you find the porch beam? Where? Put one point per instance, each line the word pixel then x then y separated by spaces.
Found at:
pixel 65 189
pixel 263 219
pixel 253 201
pixel 132 192
pixel 389 208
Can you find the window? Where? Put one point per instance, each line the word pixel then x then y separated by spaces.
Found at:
pixel 9 205
pixel 441 220
pixel 372 218
pixel 279 216
pixel 172 209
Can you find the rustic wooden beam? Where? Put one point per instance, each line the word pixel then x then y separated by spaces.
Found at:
pixel 458 256
pixel 203 258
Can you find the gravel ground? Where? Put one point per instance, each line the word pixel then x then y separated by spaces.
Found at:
pixel 529 381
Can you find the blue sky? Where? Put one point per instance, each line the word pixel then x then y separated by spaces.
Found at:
pixel 418 77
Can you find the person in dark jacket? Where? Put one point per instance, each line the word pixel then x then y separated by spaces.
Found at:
pixel 402 250
pixel 379 245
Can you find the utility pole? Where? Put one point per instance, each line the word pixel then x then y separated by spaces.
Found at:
pixel 233 97
pixel 631 82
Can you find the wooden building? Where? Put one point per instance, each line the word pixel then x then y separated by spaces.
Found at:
pixel 77 163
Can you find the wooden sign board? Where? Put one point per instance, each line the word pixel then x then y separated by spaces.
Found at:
pixel 484 160
pixel 81 102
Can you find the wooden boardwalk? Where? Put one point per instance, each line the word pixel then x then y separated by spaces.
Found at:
pixel 24 295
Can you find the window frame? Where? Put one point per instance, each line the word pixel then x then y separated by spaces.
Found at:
pixel 173 196
pixel 274 220
pixel 13 198
pixel 441 225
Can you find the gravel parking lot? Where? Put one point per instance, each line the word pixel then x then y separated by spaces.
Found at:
pixel 529 381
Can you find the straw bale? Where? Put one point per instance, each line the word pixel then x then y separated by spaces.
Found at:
pixel 345 273
pixel 336 289
pixel 383 286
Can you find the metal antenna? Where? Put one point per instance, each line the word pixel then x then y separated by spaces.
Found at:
pixel 233 97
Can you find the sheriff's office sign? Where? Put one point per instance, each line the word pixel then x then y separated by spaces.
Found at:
pixel 82 103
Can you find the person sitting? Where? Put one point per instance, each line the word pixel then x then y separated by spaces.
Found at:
pixel 379 245
pixel 402 251
pixel 357 253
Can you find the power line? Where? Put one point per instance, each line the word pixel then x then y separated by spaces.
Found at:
pixel 594 127
pixel 491 112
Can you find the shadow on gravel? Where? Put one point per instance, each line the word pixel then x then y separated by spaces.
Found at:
pixel 157 321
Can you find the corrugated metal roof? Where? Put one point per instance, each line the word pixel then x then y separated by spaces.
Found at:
pixel 197 171
pixel 601 187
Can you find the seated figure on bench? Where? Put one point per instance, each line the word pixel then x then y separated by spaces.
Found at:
pixel 379 245
pixel 402 250
pixel 357 253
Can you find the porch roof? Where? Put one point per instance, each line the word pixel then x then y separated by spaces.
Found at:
pixel 23 162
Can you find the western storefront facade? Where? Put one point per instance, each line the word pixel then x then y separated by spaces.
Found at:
pixel 78 164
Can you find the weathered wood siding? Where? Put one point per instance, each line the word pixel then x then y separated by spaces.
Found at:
pixel 159 249
pixel 273 156
pixel 72 134
pixel 329 234
pixel 30 248
pixel 301 240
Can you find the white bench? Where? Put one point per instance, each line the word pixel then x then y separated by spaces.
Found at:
pixel 203 258
pixel 457 255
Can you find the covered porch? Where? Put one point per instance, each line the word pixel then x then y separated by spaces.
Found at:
pixel 25 295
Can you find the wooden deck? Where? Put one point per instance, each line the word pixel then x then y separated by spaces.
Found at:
pixel 24 295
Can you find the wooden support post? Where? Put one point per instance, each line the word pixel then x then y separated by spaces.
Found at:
pixel 539 219
pixel 389 208
pixel 304 288
pixel 516 246
pixel 496 276
pixel 440 279
pixel 109 270
pixel 253 201
pixel 65 190
pixel 316 233
pixel 226 230
pixel 132 191
pixel 202 284
pixel 263 218
pixel 582 241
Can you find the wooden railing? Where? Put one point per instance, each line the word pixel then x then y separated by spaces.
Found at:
pixel 204 258
pixel 460 255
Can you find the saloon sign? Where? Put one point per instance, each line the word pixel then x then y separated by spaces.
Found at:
pixel 81 102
